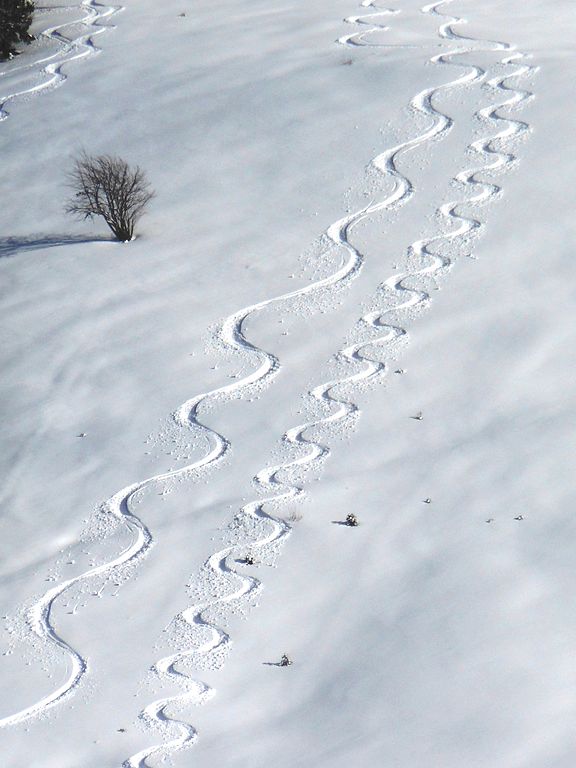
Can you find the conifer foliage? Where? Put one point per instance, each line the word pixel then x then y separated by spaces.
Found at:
pixel 15 20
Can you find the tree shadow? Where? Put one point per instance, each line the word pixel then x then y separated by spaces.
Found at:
pixel 10 246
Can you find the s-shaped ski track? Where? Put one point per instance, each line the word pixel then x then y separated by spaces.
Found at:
pixel 68 51
pixel 233 337
pixel 357 38
pixel 180 733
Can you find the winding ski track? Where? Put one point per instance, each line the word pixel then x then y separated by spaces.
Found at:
pixel 357 38
pixel 231 333
pixel 68 50
pixel 179 733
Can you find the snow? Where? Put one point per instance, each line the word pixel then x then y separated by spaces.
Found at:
pixel 426 635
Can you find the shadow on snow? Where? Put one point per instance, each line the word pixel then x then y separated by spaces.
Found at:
pixel 10 246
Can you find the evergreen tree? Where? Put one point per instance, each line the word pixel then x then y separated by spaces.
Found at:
pixel 15 20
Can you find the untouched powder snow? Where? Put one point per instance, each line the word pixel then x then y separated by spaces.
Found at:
pixel 352 293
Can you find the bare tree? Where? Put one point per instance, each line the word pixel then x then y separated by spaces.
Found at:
pixel 106 186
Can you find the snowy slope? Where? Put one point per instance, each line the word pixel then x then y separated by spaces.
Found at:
pixel 291 183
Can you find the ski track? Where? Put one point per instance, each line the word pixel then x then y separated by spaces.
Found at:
pixel 231 333
pixel 68 50
pixel 357 38
pixel 220 573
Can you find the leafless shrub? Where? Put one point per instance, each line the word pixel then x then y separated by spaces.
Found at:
pixel 294 516
pixel 106 186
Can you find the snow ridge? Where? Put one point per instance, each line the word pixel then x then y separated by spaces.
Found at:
pixel 68 50
pixel 254 529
